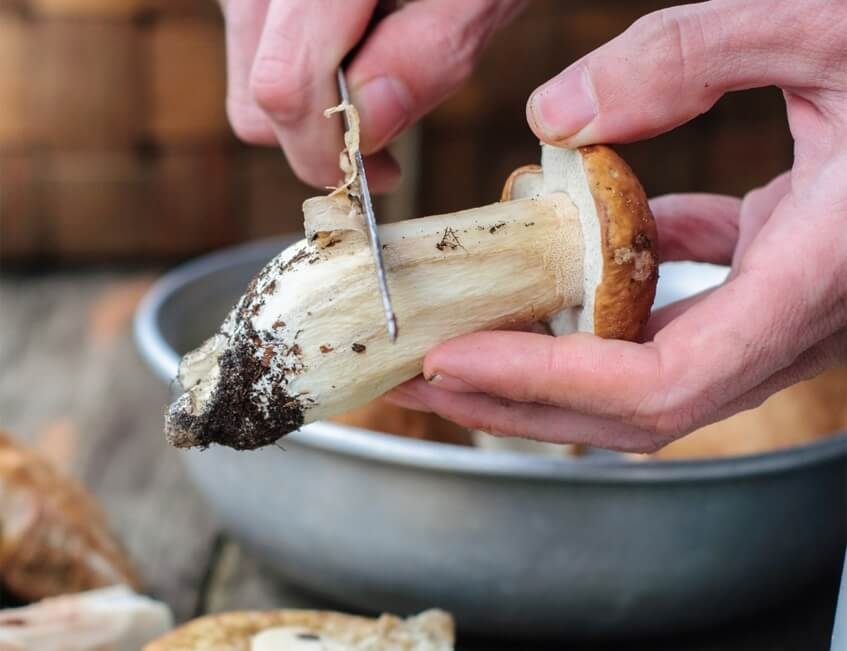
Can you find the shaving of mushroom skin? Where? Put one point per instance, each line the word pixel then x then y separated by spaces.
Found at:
pixel 328 219
pixel 347 161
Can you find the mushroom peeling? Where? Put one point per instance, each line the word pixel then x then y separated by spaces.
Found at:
pixel 572 244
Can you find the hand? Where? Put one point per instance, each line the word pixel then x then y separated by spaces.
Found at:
pixel 281 61
pixel 782 315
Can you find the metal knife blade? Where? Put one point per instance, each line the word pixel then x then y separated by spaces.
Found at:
pixel 370 218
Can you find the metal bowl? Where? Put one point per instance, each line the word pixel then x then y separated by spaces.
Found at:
pixel 510 543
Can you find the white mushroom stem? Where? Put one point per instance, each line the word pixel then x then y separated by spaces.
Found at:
pixel 307 340
pixel 498 266
pixel 316 309
pixel 109 619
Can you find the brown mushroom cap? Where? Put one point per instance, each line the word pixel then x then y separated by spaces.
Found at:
pixel 233 631
pixel 382 416
pixel 55 537
pixel 627 287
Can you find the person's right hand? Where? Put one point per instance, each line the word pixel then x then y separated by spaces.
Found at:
pixel 281 61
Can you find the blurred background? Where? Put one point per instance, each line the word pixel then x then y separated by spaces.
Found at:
pixel 114 143
pixel 117 162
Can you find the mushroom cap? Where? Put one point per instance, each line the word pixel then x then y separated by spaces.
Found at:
pixel 233 631
pixel 619 233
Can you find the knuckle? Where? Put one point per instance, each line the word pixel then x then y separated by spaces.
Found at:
pixel 458 46
pixel 662 418
pixel 311 172
pixel 651 443
pixel 672 423
pixel 280 90
pixel 250 126
pixel 665 423
pixel 677 35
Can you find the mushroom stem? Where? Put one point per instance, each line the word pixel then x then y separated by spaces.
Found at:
pixel 310 324
pixel 486 268
pixel 571 245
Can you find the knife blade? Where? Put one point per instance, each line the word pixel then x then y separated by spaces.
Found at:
pixel 382 9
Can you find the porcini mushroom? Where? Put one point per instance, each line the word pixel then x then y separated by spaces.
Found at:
pixel 571 244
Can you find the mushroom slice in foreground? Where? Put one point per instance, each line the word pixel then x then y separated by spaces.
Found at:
pixel 572 245
pixel 310 630
pixel 108 619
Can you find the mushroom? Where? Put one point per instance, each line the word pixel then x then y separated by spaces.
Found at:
pixel 107 619
pixel 382 416
pixel 310 630
pixel 54 536
pixel 571 244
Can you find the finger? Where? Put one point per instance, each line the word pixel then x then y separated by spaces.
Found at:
pixel 540 422
pixel 293 78
pixel 699 227
pixel 660 318
pixel 416 58
pixel 244 21
pixel 703 359
pixel 405 396
pixel 545 423
pixel 758 206
pixel 702 50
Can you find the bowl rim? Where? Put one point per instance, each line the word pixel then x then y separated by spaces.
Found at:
pixel 453 459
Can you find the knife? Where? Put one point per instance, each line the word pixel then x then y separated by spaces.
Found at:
pixel 383 8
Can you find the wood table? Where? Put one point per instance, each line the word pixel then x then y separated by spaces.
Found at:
pixel 73 385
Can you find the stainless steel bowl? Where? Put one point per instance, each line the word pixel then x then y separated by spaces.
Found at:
pixel 510 543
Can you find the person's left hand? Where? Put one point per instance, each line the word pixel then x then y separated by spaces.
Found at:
pixel 782 315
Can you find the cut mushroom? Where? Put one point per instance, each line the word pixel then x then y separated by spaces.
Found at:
pixel 109 619
pixel 382 416
pixel 54 537
pixel 571 244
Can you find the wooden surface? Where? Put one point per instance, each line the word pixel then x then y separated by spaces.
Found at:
pixel 73 385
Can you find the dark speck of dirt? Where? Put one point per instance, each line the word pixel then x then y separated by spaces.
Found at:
pixel 528 224
pixel 359 348
pixel 308 637
pixel 279 323
pixel 496 227
pixel 267 356
pixel 449 240
pixel 326 348
pixel 641 242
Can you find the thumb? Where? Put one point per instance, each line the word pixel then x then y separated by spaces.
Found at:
pixel 673 65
